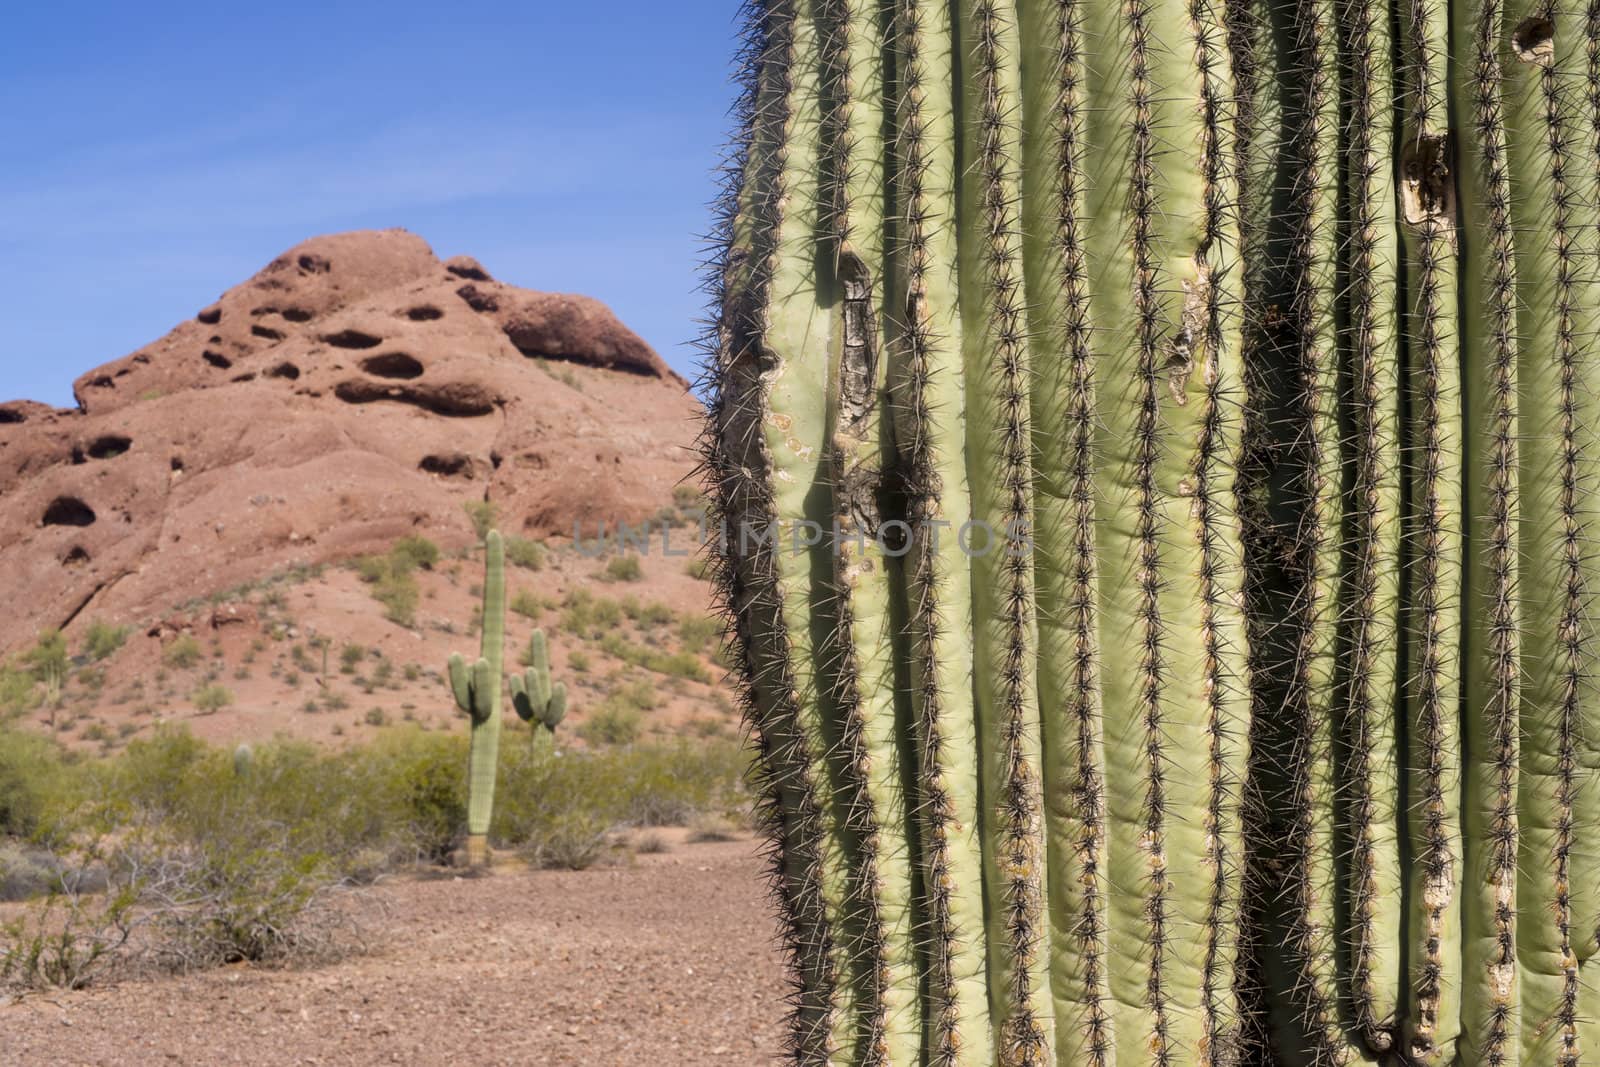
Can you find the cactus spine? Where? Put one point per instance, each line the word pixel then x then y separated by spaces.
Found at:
pixel 539 703
pixel 477 688
pixel 1222 380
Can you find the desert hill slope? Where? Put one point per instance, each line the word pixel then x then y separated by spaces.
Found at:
pixel 355 391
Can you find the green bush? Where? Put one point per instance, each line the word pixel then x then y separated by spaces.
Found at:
pixel 398 593
pixel 101 639
pixel 18 692
pixel 613 723
pixel 37 788
pixel 624 569
pixel 183 653
pixel 527 604
pixel 350 656
pixel 211 698
pixel 414 551
pixel 525 553
pixel 482 514
pixel 697 632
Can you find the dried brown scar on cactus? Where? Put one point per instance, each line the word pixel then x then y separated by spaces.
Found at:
pixel 1188 345
pixel 1427 190
pixel 1534 40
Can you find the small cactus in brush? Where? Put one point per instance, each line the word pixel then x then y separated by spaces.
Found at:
pixel 539 703
pixel 477 691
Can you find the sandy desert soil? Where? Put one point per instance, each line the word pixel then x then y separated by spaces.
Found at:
pixel 667 961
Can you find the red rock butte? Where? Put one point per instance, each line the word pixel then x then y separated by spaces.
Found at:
pixel 355 390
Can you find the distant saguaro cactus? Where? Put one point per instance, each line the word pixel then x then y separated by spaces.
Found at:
pixel 477 692
pixel 539 703
pixel 1158 445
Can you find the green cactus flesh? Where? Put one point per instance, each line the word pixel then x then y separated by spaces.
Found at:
pixel 538 702
pixel 1154 444
pixel 477 692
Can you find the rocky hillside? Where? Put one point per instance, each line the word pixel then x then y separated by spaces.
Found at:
pixel 210 524
pixel 355 390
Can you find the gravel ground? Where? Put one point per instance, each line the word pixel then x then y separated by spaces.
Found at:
pixel 669 961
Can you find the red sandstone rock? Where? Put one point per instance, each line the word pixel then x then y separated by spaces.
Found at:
pixel 355 390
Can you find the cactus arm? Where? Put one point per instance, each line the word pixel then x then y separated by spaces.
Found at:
pixel 1064 535
pixel 539 671
pixel 1434 536
pixel 1370 779
pixel 522 697
pixel 995 348
pixel 461 682
pixel 556 709
pixel 1491 989
pixel 863 575
pixel 933 410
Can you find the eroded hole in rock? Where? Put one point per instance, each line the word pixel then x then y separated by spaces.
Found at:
pixel 310 264
pixel 78 557
pixel 449 464
pixel 284 370
pixel 393 365
pixel 177 464
pixel 352 339
pixel 297 314
pixel 102 381
pixel 267 332
pixel 141 358
pixel 1534 40
pixel 248 376
pixel 457 399
pixel 9 416
pixel 424 313
pixel 109 446
pixel 210 316
pixel 496 459
pixel 467 267
pixel 67 511
pixel 217 359
pixel 476 299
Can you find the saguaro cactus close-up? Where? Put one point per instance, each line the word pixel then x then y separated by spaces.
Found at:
pixel 1154 448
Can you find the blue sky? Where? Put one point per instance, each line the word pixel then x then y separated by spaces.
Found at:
pixel 154 154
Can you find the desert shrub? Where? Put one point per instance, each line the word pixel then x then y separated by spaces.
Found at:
pixel 523 552
pixel 183 653
pixel 613 723
pixel 398 593
pixel 578 661
pixel 101 639
pixel 674 664
pixel 482 514
pixel 528 604
pixel 350 656
pixel 699 569
pixel 697 632
pixel 211 698
pixel 67 942
pixel 414 551
pixel 623 569
pixel 18 693
pixel 37 787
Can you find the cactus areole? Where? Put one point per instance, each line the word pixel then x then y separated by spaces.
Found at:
pixel 476 687
pixel 1262 340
